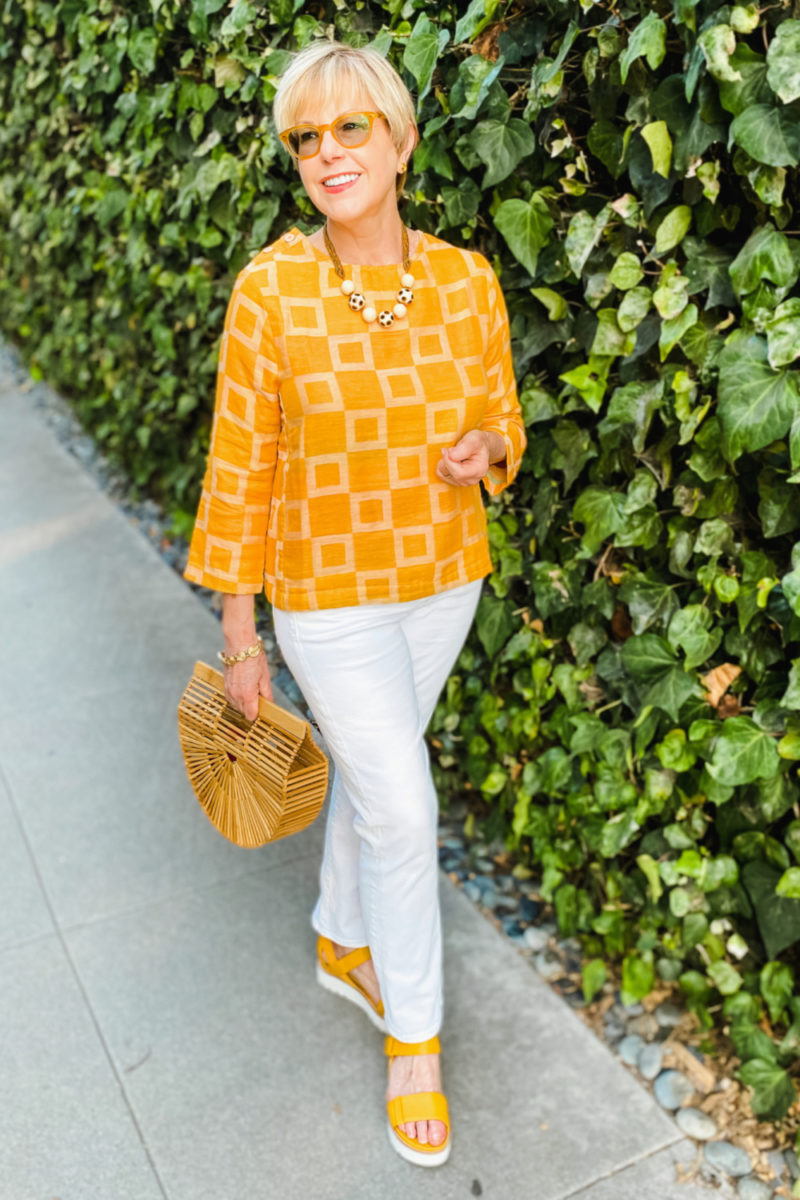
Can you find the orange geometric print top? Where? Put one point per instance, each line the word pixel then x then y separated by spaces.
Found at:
pixel 321 482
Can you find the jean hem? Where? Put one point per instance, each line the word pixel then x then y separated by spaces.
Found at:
pixel 417 1037
pixel 335 937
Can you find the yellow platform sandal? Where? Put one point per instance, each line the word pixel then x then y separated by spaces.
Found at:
pixel 416 1106
pixel 334 975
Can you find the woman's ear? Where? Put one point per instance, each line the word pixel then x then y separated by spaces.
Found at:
pixel 412 141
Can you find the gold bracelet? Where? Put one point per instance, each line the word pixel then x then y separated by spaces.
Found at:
pixel 251 652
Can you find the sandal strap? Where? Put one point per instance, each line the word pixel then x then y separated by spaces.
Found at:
pixel 344 965
pixel 418 1106
pixel 393 1048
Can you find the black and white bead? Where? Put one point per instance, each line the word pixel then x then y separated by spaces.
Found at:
pixel 386 317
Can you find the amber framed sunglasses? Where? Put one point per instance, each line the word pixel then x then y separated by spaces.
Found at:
pixel 350 129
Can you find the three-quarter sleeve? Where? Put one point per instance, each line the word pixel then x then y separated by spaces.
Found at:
pixel 503 414
pixel 227 549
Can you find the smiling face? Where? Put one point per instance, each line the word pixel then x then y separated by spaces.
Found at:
pixel 352 183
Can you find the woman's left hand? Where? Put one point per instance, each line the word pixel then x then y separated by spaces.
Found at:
pixel 467 462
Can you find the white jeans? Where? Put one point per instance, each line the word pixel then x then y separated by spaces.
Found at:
pixel 371 674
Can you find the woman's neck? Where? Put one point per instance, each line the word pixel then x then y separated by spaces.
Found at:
pixel 373 242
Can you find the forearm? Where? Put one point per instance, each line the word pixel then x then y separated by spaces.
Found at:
pixel 238 622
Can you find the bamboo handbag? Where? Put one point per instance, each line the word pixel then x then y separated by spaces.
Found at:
pixel 256 781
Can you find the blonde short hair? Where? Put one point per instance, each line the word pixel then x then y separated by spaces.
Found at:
pixel 325 67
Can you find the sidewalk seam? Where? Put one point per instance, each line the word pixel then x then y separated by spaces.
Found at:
pixel 627 1166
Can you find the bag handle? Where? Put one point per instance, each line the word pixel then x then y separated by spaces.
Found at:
pixel 273 713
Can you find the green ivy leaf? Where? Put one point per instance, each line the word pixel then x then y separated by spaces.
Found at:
pixel 537 404
pixel 674 227
pixel 675 328
pixel 478 15
pixel 783 333
pixel 680 901
pixel 240 16
pixel 773 1090
pixel 494 623
pixel 590 380
pixel 626 271
pixel 649 601
pixel 672 295
pixel 638 978
pixel 649 868
pixel 656 134
pixel 718 44
pixel 671 692
pixel 583 235
pixel 593 976
pixel 475 76
pixel 607 143
pixel 633 405
pixel 142 49
pixel 778 916
pixel 460 203
pixel 575 448
pixel 789 884
pixel 675 754
pixel 769 135
pixel 634 307
pixel 227 71
pixel 555 304
pixel 609 339
pixel 765 255
pixel 617 833
pixel 692 629
pixel 756 405
pixel 647 657
pixel 783 61
pixel 777 983
pixel 749 1041
pixel 601 511
pixel 501 146
pixel 422 52
pixel 708 269
pixel 743 753
pixel 744 18
pixel 752 88
pixel 648 40
pixel 792 839
pixel 525 227
pixel 726 978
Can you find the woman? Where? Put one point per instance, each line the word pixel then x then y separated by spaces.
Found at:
pixel 365 390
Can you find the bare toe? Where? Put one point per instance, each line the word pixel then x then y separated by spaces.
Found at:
pixel 436 1132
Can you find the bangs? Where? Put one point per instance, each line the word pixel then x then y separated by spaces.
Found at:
pixel 361 79
pixel 328 80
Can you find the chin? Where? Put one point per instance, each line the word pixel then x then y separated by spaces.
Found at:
pixel 338 208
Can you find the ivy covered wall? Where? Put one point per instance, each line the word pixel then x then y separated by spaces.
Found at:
pixel 627 713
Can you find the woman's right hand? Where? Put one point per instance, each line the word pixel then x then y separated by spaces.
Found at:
pixel 244 682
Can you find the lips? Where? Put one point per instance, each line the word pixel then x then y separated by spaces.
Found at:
pixel 337 183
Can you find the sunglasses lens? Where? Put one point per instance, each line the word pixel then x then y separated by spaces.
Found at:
pixel 352 129
pixel 304 140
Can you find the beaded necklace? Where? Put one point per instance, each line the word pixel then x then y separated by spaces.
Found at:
pixel 358 303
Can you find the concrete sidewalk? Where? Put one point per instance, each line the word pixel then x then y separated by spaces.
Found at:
pixel 162 1032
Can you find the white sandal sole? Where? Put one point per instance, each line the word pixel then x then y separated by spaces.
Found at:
pixel 420 1158
pixel 348 992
